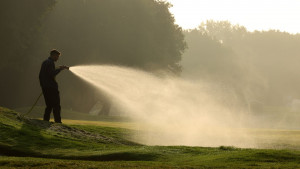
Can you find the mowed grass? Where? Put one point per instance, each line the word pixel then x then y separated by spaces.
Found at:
pixel 29 143
pixel 68 114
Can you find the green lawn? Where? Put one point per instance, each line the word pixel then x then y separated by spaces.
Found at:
pixel 38 111
pixel 32 143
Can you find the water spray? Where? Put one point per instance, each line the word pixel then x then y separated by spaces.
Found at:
pixel 171 110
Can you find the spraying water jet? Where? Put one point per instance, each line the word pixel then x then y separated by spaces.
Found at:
pixel 171 111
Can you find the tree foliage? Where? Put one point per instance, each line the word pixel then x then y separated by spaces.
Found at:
pixel 19 29
pixel 134 33
pixel 262 64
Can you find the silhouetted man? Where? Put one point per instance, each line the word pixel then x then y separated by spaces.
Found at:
pixel 50 87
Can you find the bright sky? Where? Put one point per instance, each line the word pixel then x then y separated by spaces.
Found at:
pixel 283 15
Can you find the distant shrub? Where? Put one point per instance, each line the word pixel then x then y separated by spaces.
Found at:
pixel 228 148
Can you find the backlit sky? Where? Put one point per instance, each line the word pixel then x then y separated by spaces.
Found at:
pixel 283 15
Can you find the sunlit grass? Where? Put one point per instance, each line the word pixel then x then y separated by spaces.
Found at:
pixel 126 125
pixel 92 144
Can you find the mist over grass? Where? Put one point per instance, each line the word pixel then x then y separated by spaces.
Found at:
pixel 172 110
pixel 161 89
pixel 28 143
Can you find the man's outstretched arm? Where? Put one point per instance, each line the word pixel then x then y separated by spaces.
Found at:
pixel 50 68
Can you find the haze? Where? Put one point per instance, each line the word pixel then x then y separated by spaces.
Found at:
pixel 170 110
pixel 222 74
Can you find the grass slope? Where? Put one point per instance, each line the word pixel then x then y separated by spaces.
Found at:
pixel 38 111
pixel 31 143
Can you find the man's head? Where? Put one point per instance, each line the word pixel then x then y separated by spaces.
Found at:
pixel 54 54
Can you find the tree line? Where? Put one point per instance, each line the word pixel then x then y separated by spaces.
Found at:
pixel 261 67
pixel 258 67
pixel 133 33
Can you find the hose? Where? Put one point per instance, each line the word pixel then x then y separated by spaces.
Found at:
pixel 33 105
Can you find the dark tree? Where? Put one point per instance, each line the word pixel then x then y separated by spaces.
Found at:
pixel 134 33
pixel 264 63
pixel 20 21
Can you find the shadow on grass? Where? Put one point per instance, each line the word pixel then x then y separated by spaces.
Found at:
pixel 121 156
pixel 21 141
pixel 278 156
pixel 37 138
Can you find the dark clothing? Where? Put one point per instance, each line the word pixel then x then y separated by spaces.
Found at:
pixel 48 73
pixel 50 89
pixel 52 100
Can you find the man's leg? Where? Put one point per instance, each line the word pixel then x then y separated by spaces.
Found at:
pixel 48 109
pixel 56 106
pixel 47 113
